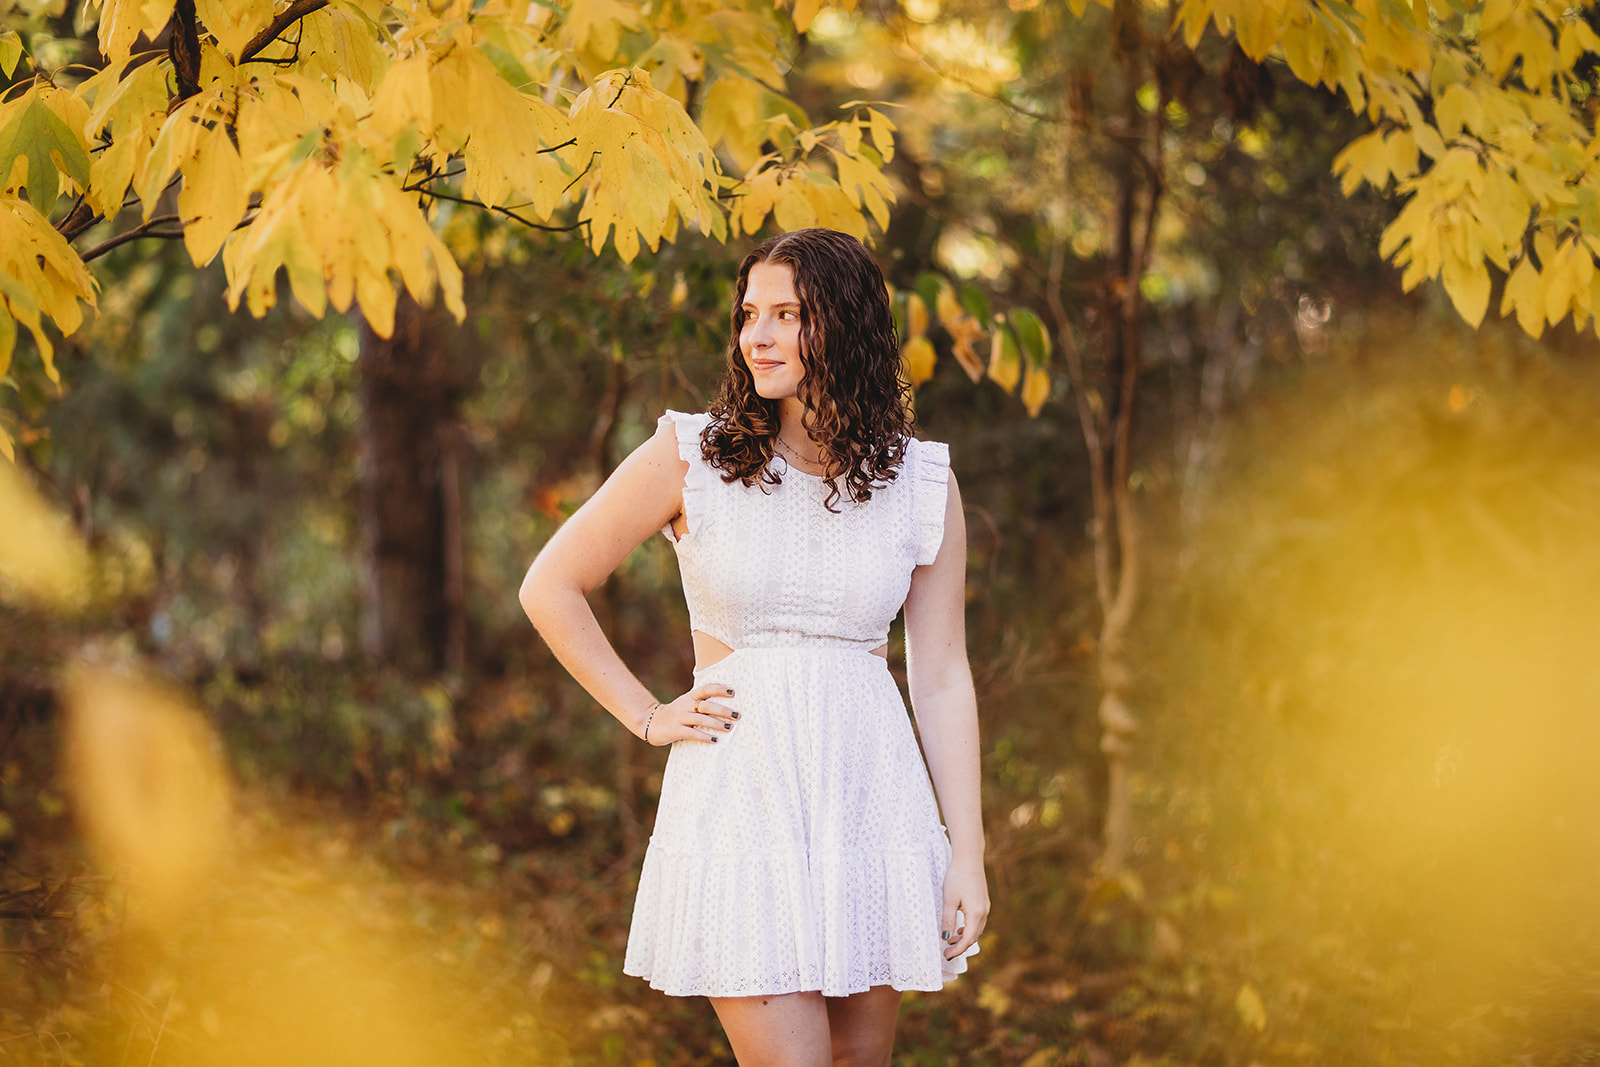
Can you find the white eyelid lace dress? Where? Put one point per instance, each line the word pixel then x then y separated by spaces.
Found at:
pixel 803 851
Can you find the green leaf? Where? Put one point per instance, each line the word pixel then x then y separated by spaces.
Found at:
pixel 36 133
pixel 928 285
pixel 1032 337
pixel 10 51
pixel 977 304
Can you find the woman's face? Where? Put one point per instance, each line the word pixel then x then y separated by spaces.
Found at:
pixel 770 337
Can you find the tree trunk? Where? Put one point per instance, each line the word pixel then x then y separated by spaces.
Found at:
pixel 1106 392
pixel 411 509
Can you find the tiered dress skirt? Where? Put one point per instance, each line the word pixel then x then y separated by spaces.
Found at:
pixel 803 851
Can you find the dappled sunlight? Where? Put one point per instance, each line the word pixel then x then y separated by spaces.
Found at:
pixel 239 938
pixel 1385 690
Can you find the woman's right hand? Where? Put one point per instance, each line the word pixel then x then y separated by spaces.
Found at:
pixel 695 716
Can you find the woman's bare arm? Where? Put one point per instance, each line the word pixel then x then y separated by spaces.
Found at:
pixel 642 495
pixel 947 718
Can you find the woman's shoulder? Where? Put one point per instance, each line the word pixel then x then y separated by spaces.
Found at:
pixel 930 456
pixel 673 417
pixel 685 428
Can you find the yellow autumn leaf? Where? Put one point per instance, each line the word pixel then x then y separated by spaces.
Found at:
pixel 177 142
pixel 1005 364
pixel 1035 389
pixel 759 194
pixel 1400 154
pixel 339 43
pixel 404 99
pixel 1577 37
pixel 1458 110
pixel 1468 286
pixel 594 28
pixel 882 133
pixel 122 21
pixel 1521 293
pixel 42 275
pixel 916 315
pixel 338 236
pixel 213 198
pixel 831 207
pixel 793 210
pixel 234 22
pixel 1359 160
pixel 804 12
pixel 1566 273
pixel 866 185
pixel 1304 50
pixel 730 116
pixel 918 357
pixel 964 338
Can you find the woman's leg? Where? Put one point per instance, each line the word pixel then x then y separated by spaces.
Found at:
pixel 809 1030
pixel 862 1027
pixel 786 1030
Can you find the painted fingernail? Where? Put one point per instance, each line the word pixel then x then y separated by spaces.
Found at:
pixel 730 691
pixel 736 715
pixel 714 740
pixel 945 935
pixel 727 726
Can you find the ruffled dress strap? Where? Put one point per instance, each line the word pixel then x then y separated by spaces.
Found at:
pixel 687 427
pixel 930 470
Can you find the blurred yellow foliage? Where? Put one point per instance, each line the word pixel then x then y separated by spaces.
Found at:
pixel 151 791
pixel 41 557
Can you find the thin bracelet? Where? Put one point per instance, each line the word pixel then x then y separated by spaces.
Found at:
pixel 648 720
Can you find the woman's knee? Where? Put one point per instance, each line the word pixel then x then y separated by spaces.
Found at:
pixel 790 1030
pixel 862 1027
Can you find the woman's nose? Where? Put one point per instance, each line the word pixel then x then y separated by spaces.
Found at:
pixel 761 330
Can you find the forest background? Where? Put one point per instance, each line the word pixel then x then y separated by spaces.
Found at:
pixel 1354 724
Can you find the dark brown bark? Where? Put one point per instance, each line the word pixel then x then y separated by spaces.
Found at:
pixel 411 513
pixel 1106 392
pixel 184 48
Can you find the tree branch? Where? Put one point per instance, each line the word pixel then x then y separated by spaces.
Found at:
pixel 184 48
pixel 504 211
pixel 288 17
pixel 146 230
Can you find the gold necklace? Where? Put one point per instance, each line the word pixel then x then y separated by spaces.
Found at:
pixel 790 450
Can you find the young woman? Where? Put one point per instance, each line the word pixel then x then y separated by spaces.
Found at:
pixel 798 874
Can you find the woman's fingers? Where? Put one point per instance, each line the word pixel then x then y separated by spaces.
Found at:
pixel 706 699
pixel 965 909
pixel 965 932
pixel 698 715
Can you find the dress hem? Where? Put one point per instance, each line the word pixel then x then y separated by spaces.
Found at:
pixel 779 991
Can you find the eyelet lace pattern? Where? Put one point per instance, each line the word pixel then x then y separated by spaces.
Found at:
pixel 804 850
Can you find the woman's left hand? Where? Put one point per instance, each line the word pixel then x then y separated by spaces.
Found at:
pixel 967 890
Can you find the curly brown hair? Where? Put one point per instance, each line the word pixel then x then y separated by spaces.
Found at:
pixel 857 403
